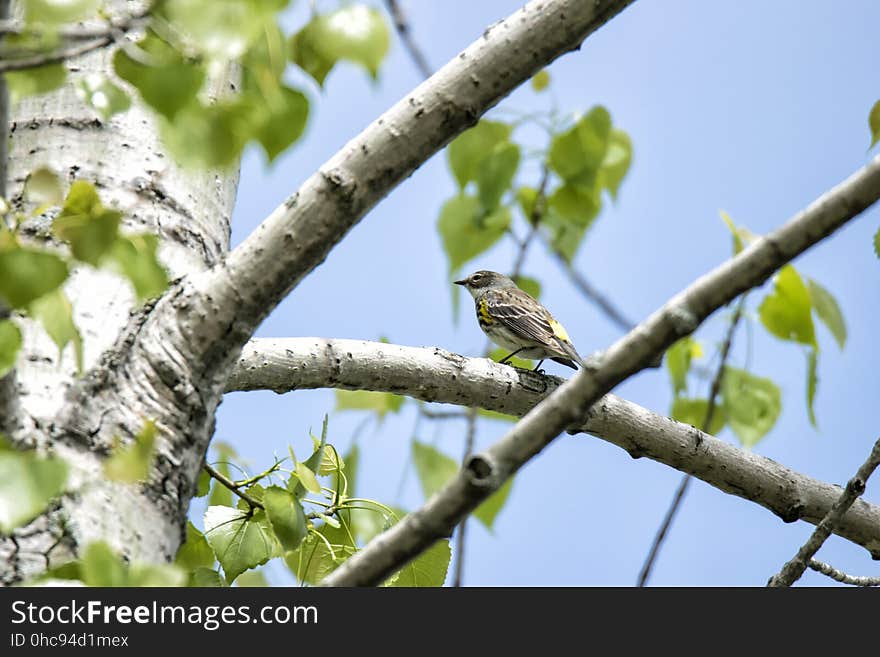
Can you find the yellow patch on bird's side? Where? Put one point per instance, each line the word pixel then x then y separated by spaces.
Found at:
pixel 559 330
pixel 483 310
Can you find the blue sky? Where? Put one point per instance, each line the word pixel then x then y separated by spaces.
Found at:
pixel 751 107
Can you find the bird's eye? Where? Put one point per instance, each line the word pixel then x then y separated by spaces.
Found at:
pixel 476 278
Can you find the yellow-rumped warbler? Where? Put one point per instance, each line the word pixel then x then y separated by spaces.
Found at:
pixel 513 319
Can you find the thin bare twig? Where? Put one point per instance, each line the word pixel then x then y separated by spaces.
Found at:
pixel 680 492
pixel 840 576
pixel 443 415
pixel 403 29
pixel 470 436
pixel 794 568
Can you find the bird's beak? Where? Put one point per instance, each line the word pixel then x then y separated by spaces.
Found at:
pixel 461 282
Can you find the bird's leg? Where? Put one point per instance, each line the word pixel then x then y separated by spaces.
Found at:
pixel 504 360
pixel 537 367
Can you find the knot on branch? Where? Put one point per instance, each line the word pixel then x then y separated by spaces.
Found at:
pixel 481 471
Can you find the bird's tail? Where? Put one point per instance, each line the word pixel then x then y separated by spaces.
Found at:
pixel 573 356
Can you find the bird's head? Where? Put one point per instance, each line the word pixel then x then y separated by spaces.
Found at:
pixel 484 279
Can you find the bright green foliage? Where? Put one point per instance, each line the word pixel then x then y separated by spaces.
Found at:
pixel 135 256
pixel 103 96
pixel 223 29
pixel 694 411
pixel 10 344
pixel 240 539
pixel 497 355
pixel 874 123
pixel 43 188
pixel 467 152
pixel 741 235
pixel 101 566
pixel 307 478
pixel 207 577
pixel 541 80
pixel 34 81
pixel 565 236
pixel 435 470
pixel 678 362
pixel 577 153
pixel 26 274
pixel 785 312
pixel 812 383
pixel 84 223
pixel 828 311
pixel 356 33
pixel 28 483
pixel 59 11
pixel 617 161
pixel 429 569
pixel 252 579
pixel 751 404
pixel 281 121
pixel 203 486
pixel 320 554
pixel 226 454
pixel 526 197
pixel 131 463
pixel 466 231
pixel 210 136
pixel 381 403
pixel 496 173
pixel 55 312
pixel 877 243
pixel 166 80
pixel 195 551
pixel 286 516
pixel 530 285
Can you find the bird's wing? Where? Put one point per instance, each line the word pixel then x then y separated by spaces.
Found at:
pixel 522 316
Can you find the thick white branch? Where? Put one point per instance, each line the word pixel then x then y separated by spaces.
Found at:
pixel 436 375
pixel 484 473
pixel 300 233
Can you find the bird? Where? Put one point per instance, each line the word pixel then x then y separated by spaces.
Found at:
pixel 515 320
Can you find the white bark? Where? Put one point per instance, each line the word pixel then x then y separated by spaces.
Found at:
pixel 484 473
pixel 436 375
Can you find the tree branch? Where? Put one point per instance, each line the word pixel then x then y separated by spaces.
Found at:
pixel 794 568
pixel 403 29
pixel 680 492
pixel 436 375
pixel 569 404
pixel 840 576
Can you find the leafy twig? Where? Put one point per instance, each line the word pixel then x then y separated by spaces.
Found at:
pixel 677 499
pixel 234 487
pixel 794 568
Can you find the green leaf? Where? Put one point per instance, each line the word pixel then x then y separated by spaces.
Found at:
pixel 131 463
pixel 314 560
pixel 498 354
pixel 10 344
pixel 102 95
pixel 26 274
pixel 203 486
pixel 434 468
pixel 164 78
pixel 576 204
pixel 89 228
pixel 195 552
pixel 307 478
pixel 467 152
pixel 331 461
pixel 356 33
pixel 526 197
pixel 693 412
pixel 428 569
pixel 286 516
pixel 489 510
pixel 34 81
pixel 43 187
pixel 380 403
pixel 206 577
pixel 540 80
pixel 252 579
pixel 785 312
pixel 101 566
pixel 874 124
pixel 135 256
pixel 734 231
pixel 206 136
pixel 617 161
pixel 55 313
pixel 59 11
pixel 28 483
pixel 678 362
pixel 565 236
pixel 156 574
pixel 496 173
pixel 751 404
pixel 828 311
pixel 240 539
pixel 577 153
pixel 877 243
pixel 812 383
pixel 223 29
pixel 283 121
pixel 466 231
pixel 351 463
